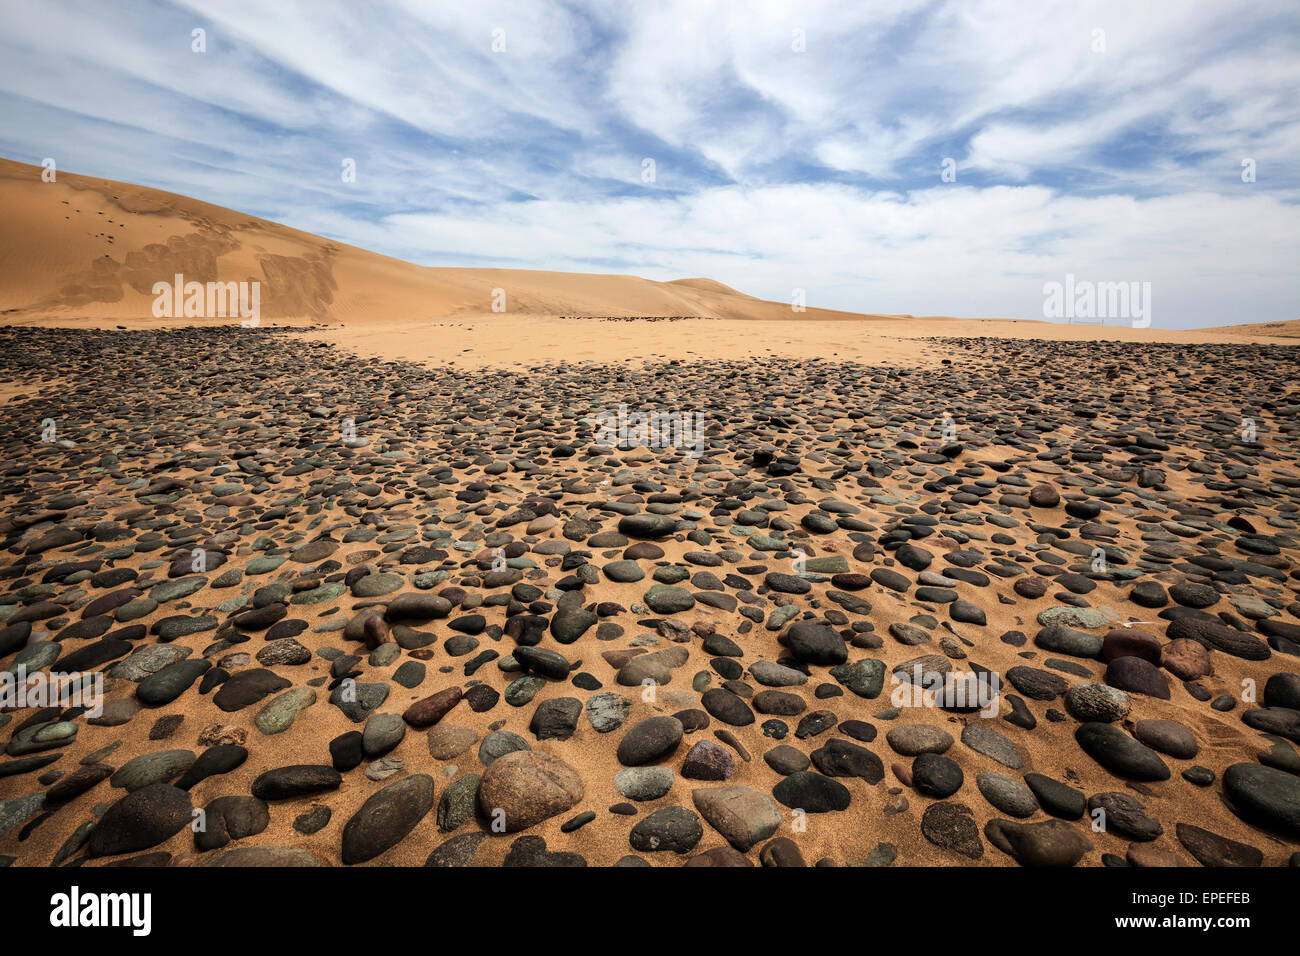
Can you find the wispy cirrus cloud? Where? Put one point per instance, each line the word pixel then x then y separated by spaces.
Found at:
pixel 794 145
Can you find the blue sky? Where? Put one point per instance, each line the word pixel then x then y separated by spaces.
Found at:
pixel 1100 139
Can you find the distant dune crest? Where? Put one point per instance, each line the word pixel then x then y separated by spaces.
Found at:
pixel 88 248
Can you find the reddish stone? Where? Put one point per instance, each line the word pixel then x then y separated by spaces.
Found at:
pixel 430 710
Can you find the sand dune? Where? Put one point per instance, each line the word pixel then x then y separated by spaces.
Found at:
pixel 83 249
pixel 1277 330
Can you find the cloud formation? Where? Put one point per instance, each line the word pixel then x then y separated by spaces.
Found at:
pixel 793 145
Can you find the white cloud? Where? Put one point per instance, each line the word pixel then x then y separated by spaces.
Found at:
pixel 775 168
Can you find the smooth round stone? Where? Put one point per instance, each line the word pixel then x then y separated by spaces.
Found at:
pixel 382 733
pixel 771 674
pixel 248 687
pixel 1052 843
pixel 911 740
pixel 43 736
pixel 499 743
pixel 160 767
pixel 449 741
pixel 936 776
pixel 1057 798
pixel 675 829
pixel 725 706
pixel 377 584
pixel 570 622
pixel 279 715
pixel 1119 753
pixel 650 740
pixel 386 818
pixel 217 759
pixel 1149 594
pixel 1091 701
pixel 666 599
pixel 1060 639
pixel 1283 690
pixel 1123 642
pixel 812 793
pixel 786 760
pixel 744 816
pixel 967 613
pixel 643 783
pixel 1265 796
pixel 1007 794
pixel 313 821
pixel 1137 676
pixel 1168 737
pixel 623 572
pixel 116 712
pixel 1080 617
pixel 524 788
pixel 777 702
pixel 813 643
pixel 299 780
pixel 141 819
pixel 646 525
pixel 543 661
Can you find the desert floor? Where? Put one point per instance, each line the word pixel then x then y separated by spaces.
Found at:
pixel 358 592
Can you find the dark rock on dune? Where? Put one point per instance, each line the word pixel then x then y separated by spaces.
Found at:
pixel 141 819
pixel 285 783
pixel 951 826
pixel 1210 849
pixel 1119 753
pixel 813 643
pixel 812 793
pixel 1137 676
pixel 650 740
pixel 674 829
pixel 386 818
pixel 1052 843
pixel 1264 796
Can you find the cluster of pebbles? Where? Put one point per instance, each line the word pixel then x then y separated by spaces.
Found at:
pixel 345 611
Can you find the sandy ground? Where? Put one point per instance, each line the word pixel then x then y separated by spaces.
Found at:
pixel 505 340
